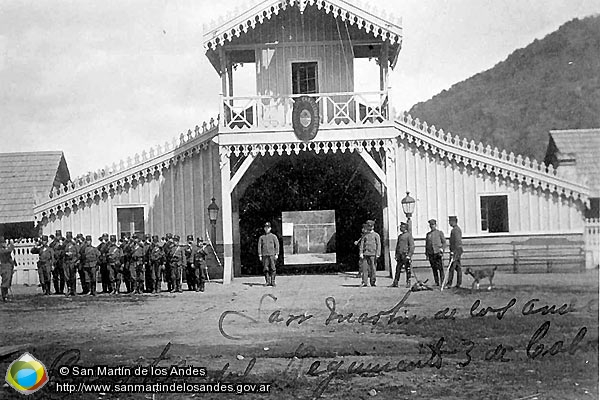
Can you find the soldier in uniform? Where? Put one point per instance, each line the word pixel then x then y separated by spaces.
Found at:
pixel 103 262
pixel 168 248
pixel 435 243
pixel 177 263
pixel 157 259
pixel 7 267
pixel 80 243
pixel 190 255
pixel 456 250
pixel 57 273
pixel 405 249
pixel 369 252
pixel 90 258
pixel 71 257
pixel 268 253
pixel 200 267
pixel 45 263
pixel 148 284
pixel 137 265
pixel 114 258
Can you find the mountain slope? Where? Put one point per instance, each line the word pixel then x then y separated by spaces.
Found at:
pixel 553 83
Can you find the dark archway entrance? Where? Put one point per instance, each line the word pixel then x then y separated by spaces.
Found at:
pixel 307 182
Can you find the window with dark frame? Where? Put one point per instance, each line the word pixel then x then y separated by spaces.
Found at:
pixel 304 78
pixel 494 214
pixel 130 221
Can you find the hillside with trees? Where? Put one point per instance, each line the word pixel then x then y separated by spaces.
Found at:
pixel 553 83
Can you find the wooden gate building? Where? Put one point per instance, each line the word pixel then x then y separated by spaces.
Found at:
pixel 306 115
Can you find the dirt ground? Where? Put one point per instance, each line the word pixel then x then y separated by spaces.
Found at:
pixel 408 345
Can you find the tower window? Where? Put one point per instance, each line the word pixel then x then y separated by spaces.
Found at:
pixel 304 78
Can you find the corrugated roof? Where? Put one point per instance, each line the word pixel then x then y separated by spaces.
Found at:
pixel 23 176
pixel 584 144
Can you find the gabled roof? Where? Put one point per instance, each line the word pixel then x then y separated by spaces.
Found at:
pixel 372 21
pixel 23 176
pixel 584 146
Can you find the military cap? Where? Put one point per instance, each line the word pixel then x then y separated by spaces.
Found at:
pixel 58 233
pixel 176 238
pixel 113 238
pixel 135 236
pixel 105 236
pixel 432 221
pixel 69 235
pixel 453 218
pixel 190 237
pixel 403 224
pixel 370 223
pixel 267 224
pixel 88 237
pixel 155 238
pixel 169 236
pixel 80 235
pixel 44 238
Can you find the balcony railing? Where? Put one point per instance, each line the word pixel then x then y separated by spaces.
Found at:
pixel 275 112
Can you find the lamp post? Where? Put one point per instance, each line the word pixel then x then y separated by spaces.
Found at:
pixel 408 206
pixel 213 213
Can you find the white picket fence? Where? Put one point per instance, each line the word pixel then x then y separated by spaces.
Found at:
pixel 592 242
pixel 26 269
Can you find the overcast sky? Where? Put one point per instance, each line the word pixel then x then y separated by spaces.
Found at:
pixel 104 79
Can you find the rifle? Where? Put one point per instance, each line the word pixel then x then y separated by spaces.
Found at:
pixel 447 272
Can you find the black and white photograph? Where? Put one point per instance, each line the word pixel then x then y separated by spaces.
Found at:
pixel 299 199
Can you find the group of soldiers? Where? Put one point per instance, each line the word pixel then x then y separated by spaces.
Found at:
pixel 141 262
pixel 435 245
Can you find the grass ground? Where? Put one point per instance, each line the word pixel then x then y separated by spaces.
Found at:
pixel 423 345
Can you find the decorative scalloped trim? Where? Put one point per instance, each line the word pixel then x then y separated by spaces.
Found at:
pixel 235 24
pixel 131 163
pixel 536 174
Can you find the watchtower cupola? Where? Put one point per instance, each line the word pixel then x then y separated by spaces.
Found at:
pixel 303 48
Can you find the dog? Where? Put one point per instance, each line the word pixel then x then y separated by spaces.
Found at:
pixel 480 274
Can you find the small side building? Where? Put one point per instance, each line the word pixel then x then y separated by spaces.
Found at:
pixel 23 177
pixel 574 153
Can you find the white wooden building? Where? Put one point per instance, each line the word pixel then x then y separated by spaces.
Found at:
pixel 309 48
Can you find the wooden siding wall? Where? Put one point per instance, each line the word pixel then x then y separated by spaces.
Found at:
pixel 444 188
pixel 313 36
pixel 335 67
pixel 174 201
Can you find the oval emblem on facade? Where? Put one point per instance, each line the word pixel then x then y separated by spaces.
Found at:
pixel 305 118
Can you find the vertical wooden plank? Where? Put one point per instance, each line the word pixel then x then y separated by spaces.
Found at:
pixel 226 218
pixel 533 212
pixel 517 223
pixel 201 199
pixel 401 169
pixel 469 196
pixel 171 204
pixel 418 184
pixel 449 179
pixel 392 206
pixel 441 195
